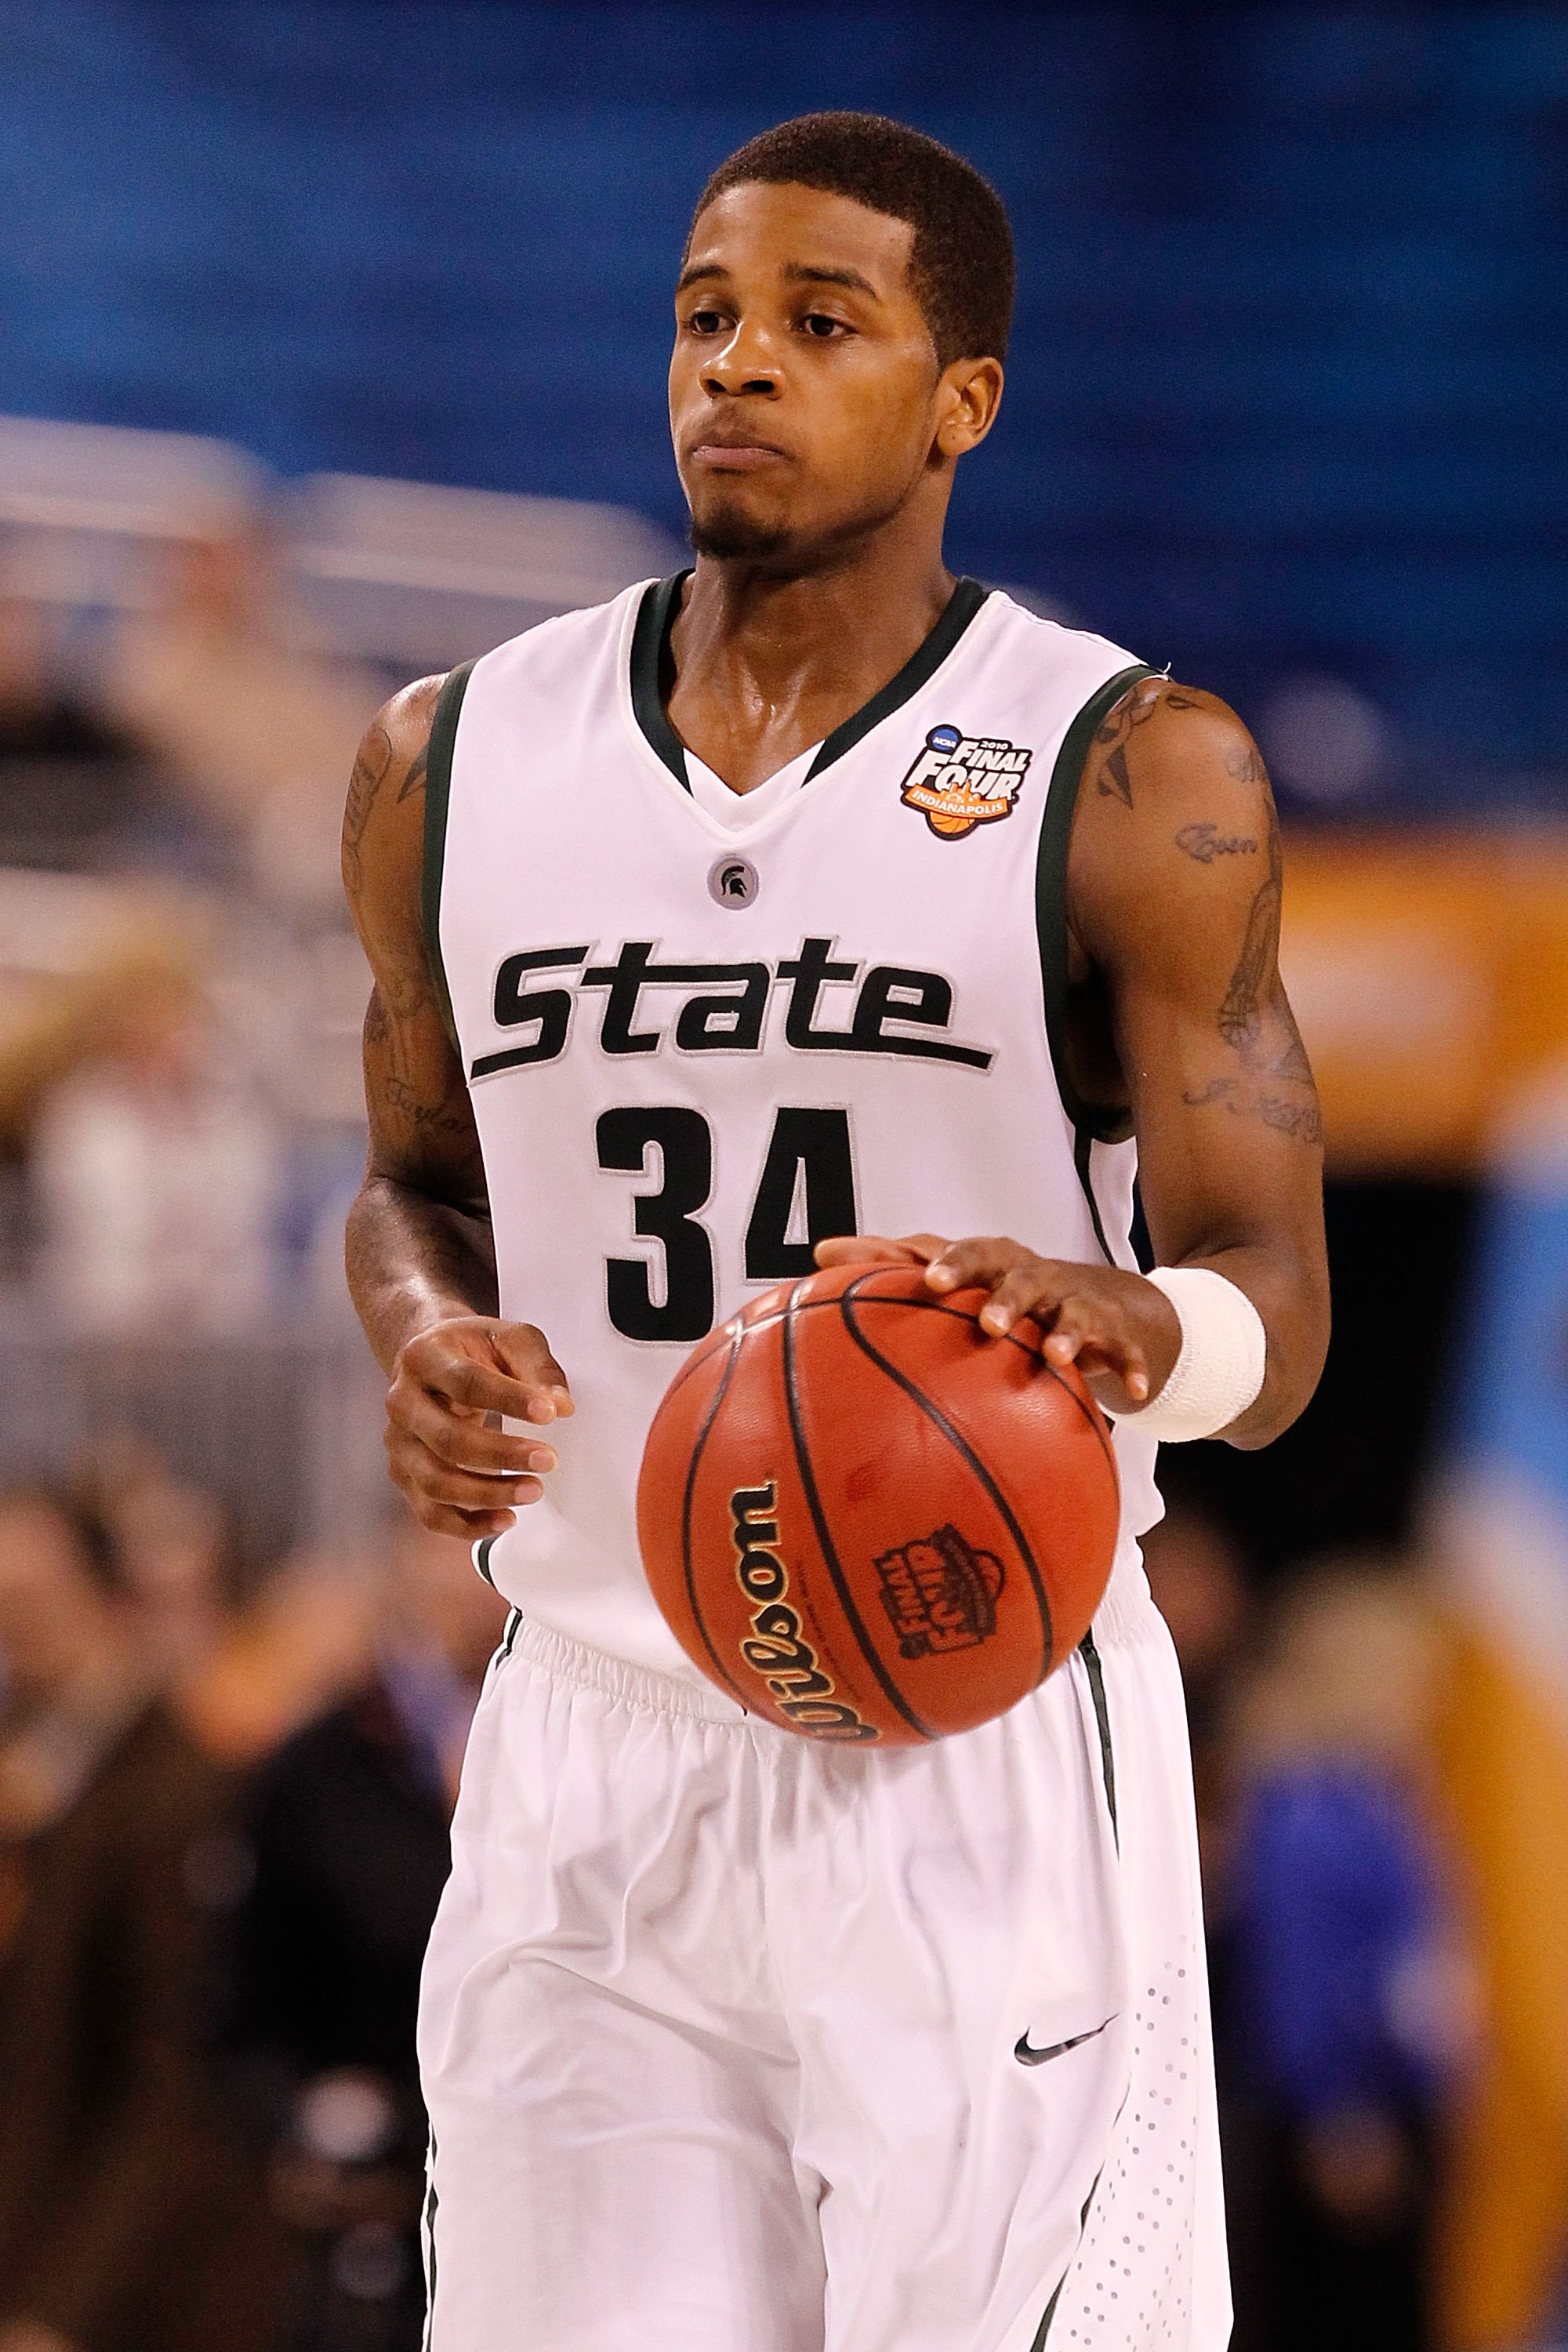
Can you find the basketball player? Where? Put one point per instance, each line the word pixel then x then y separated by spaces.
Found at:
pixel 809 895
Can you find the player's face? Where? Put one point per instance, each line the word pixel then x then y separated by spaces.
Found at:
pixel 806 401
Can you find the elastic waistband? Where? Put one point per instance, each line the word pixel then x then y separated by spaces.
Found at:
pixel 1125 1616
pixel 566 1661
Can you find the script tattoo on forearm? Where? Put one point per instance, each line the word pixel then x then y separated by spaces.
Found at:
pixel 1274 1082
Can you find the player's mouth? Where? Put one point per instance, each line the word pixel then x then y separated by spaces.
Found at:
pixel 735 456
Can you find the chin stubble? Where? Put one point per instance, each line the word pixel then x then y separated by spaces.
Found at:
pixel 730 536
pixel 729 539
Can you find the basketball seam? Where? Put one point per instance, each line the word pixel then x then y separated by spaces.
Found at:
pixel 829 1554
pixel 1090 1411
pixel 701 1355
pixel 697 1453
pixel 956 1438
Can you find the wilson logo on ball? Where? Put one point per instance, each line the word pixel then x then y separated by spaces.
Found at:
pixel 791 1472
pixel 939 1593
pixel 776 1647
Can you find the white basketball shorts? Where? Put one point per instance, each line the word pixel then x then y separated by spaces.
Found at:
pixel 734 2042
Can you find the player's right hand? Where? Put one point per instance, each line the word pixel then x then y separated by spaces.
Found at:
pixel 462 1474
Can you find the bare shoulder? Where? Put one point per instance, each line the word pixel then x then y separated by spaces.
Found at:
pixel 1162 738
pixel 1174 818
pixel 384 818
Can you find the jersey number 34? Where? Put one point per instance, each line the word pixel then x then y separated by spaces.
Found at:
pixel 807 1181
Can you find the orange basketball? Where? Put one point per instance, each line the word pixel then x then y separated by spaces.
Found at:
pixel 870 1521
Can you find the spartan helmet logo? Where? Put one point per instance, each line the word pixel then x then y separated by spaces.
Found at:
pixel 733 881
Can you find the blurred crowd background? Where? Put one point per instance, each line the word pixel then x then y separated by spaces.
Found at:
pixel 333 353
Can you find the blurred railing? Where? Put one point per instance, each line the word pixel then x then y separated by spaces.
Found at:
pixel 410 574
pixel 283 1420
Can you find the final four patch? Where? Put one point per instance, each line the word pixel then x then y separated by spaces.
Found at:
pixel 960 782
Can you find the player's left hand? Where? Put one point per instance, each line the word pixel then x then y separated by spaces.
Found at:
pixel 1120 1331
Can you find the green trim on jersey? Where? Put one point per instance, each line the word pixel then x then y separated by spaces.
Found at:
pixel 1096 1674
pixel 437 800
pixel 653 674
pixel 1049 2313
pixel 427 2243
pixel 1092 1124
pixel 924 662
pixel 1044 2328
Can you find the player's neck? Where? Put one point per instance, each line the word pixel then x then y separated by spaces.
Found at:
pixel 768 665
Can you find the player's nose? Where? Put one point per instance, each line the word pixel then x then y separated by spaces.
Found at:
pixel 747 361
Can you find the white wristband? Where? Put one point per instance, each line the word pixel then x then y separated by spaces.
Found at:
pixel 1223 1357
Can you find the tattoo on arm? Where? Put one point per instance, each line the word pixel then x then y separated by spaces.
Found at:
pixel 1299 1118
pixel 370 765
pixel 414 1118
pixel 1205 843
pixel 1111 737
pixel 414 782
pixel 1245 762
pixel 425 1117
pixel 1240 1014
pixel 1256 1022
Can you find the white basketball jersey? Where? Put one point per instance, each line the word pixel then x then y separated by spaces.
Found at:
pixel 696 1046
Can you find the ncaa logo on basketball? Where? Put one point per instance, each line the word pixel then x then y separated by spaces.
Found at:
pixel 961 782
pixel 939 1593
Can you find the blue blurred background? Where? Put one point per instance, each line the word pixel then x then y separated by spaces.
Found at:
pixel 332 343
pixel 1286 392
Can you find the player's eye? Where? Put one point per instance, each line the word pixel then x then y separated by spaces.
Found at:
pixel 705 322
pixel 821 328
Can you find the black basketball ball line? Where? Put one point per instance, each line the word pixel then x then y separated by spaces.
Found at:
pixel 891 1690
pixel 707 1346
pixel 794 1305
pixel 709 1418
pixel 1090 1411
pixel 961 1446
pixel 747 1700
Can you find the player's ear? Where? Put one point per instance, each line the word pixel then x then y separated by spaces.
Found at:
pixel 968 395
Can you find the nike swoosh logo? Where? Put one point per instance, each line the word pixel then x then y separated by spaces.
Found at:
pixel 1027 2055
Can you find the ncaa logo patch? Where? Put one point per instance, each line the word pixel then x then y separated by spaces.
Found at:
pixel 960 782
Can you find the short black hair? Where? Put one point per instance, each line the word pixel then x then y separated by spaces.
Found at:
pixel 961 265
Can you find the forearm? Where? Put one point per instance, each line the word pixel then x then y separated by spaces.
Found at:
pixel 414 1261
pixel 1291 1300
